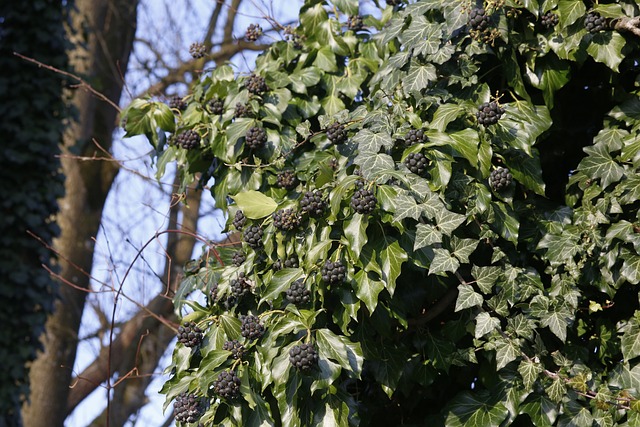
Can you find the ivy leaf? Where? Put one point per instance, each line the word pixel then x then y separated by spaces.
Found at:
pixel 368 289
pixel 348 7
pixel 326 60
pixel 441 168
pixel 213 359
pixel 426 235
pixel 406 207
pixel 395 27
pixel 606 47
pixel 506 352
pixel 455 16
pixel 392 256
pixel 527 170
pixel 254 204
pixel 443 262
pixel 560 247
pixel 469 409
pixel 570 11
pixel 529 371
pixel 280 281
pixel 463 248
pixel 418 78
pixel 627 111
pixel 445 114
pixel 599 164
pixel 485 277
pixel 259 414
pixel 550 75
pixel 238 129
pixel 355 230
pixel 543 412
pixel 505 222
pixel 313 17
pixel 373 164
pixel 340 349
pixel 163 116
pixel 466 143
pixel 332 105
pixel 523 124
pixel 448 221
pixel 467 298
pixel 417 32
pixel 329 371
pixel 318 251
pixel 581 418
pixel 630 341
pixel 556 390
pixel 485 324
pixel 230 325
pixel 372 142
pixel 303 78
pixel 389 371
pixel 624 377
pixel 630 267
pixel 557 319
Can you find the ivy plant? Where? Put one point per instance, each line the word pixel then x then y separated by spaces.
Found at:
pixel 439 220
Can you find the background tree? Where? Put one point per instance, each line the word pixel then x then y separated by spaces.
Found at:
pixel 32 128
pixel 437 228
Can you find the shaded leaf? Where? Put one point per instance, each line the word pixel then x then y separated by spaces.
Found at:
pixel 630 341
pixel 392 256
pixel 606 47
pixel 469 409
pixel 340 349
pixel 368 289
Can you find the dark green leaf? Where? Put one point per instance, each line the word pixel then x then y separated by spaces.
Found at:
pixel 355 230
pixel 392 256
pixel 368 289
pixel 280 282
pixel 469 409
pixel 606 47
pixel 339 348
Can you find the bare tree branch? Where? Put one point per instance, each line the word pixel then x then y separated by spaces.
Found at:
pixel 213 24
pixel 81 82
pixel 631 25
pixel 177 75
pixel 231 22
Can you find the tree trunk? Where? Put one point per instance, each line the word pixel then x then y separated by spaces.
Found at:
pixel 100 61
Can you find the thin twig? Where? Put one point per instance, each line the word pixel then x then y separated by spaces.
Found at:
pixel 82 82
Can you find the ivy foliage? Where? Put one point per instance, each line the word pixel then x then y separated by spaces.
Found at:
pixel 449 299
pixel 33 113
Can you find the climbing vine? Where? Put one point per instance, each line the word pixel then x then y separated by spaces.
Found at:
pixel 439 220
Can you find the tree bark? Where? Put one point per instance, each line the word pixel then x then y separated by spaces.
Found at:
pixel 100 60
